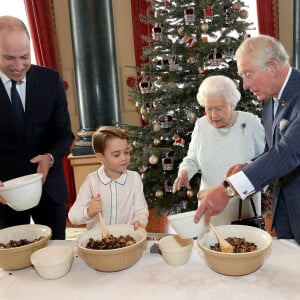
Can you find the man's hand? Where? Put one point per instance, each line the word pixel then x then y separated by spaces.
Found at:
pixel 181 181
pixel 44 164
pixel 234 169
pixel 212 202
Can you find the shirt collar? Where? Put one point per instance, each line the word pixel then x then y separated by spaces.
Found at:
pixel 285 82
pixel 106 180
pixel 5 79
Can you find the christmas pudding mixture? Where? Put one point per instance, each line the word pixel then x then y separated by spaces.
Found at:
pixel 240 245
pixel 19 243
pixel 111 242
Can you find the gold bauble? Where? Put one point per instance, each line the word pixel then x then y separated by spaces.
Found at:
pixel 189 193
pixel 135 144
pixel 181 30
pixel 143 110
pixel 204 27
pixel 159 193
pixel 243 14
pixel 156 142
pixel 236 5
pixel 153 159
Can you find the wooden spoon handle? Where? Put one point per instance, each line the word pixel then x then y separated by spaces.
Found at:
pixel 104 230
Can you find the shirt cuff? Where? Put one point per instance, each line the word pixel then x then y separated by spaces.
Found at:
pixel 241 184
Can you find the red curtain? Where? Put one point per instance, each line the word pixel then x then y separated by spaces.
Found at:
pixel 42 28
pixel 267 16
pixel 139 7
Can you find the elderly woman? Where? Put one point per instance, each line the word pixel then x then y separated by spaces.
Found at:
pixel 220 139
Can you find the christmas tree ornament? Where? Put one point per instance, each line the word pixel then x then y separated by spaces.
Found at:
pixel 173 65
pixel 204 27
pixel 156 126
pixel 192 60
pixel 157 31
pixel 181 30
pixel 156 142
pixel 226 16
pixel 191 116
pixel 189 15
pixel 214 58
pixel 143 110
pixel 178 141
pixel 153 159
pixel 243 14
pixel 163 63
pixel 143 176
pixel 236 5
pixel 189 193
pixel 159 193
pixel 165 121
pixel 167 163
pixel 189 41
pixel 145 85
pixel 135 144
pixel 208 12
pixel 168 186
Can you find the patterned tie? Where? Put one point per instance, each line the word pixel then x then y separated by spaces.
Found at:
pixel 17 103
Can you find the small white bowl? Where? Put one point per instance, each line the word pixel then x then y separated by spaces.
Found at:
pixel 23 192
pixel 175 250
pixel 184 225
pixel 52 262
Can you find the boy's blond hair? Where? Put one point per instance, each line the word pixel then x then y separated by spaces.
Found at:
pixel 105 133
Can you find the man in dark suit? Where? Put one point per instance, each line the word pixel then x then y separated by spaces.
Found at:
pixel 39 143
pixel 264 67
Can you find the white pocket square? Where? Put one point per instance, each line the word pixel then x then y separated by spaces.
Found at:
pixel 283 123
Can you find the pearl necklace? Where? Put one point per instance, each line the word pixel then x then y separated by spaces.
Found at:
pixel 225 130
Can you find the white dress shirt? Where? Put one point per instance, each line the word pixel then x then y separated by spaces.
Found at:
pixel 123 200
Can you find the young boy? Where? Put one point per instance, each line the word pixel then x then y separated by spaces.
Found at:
pixel 118 192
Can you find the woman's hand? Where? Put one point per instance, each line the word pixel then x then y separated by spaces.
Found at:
pixel 181 181
pixel 95 206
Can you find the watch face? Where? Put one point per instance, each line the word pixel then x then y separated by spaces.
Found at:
pixel 230 192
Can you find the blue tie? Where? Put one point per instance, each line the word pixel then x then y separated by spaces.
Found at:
pixel 17 103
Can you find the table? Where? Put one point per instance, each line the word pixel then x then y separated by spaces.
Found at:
pixel 151 278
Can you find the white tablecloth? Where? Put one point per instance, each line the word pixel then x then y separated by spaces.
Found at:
pixel 151 278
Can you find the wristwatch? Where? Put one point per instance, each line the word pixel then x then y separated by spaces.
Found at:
pixel 229 190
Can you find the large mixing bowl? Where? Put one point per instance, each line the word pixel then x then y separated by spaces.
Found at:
pixel 15 258
pixel 236 263
pixel 114 259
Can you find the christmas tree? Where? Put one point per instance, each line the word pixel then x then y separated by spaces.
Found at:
pixel 189 41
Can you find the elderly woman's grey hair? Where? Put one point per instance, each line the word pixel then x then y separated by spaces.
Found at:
pixel 219 86
pixel 262 49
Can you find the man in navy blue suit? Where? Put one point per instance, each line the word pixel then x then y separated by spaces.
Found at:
pixel 38 144
pixel 263 64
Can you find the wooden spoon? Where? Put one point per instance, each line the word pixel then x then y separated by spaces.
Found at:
pixel 224 245
pixel 104 230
